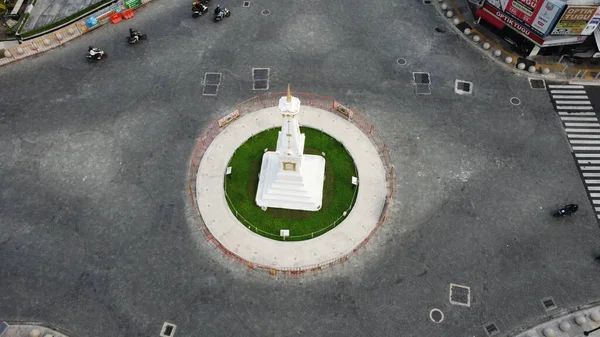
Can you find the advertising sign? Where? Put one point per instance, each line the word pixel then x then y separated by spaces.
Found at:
pixel 133 3
pixel 593 24
pixel 517 26
pixel 574 20
pixel 535 14
pixel 546 16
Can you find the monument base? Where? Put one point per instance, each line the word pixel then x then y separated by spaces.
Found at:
pixel 279 188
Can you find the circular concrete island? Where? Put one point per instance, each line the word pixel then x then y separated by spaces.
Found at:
pixel 265 197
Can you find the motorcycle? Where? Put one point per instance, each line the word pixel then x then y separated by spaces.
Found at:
pixel 196 12
pixel 137 36
pixel 222 14
pixel 95 54
pixel 566 210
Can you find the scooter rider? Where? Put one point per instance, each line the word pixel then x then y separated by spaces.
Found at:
pixel 94 51
pixel 133 33
pixel 197 6
pixel 219 11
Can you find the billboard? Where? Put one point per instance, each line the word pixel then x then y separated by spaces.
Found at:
pixel 593 24
pixel 538 15
pixel 574 20
pixel 514 24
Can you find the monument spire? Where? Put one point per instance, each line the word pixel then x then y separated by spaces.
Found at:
pixel 289 94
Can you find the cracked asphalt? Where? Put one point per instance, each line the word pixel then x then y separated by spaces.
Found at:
pixel 96 234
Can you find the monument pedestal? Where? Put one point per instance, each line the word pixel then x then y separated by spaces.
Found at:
pixel 300 190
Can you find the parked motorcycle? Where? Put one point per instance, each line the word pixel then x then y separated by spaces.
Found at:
pixel 221 13
pixel 566 210
pixel 135 37
pixel 95 54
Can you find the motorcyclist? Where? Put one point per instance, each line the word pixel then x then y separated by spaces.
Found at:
pixel 94 51
pixel 133 33
pixel 568 209
pixel 197 6
pixel 218 11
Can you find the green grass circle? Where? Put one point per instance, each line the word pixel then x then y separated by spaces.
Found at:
pixel 338 192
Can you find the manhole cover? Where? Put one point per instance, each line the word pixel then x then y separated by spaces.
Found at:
pixel 260 73
pixel 421 78
pixel 548 303
pixel 246 4
pixel 460 295
pixel 168 330
pixel 266 12
pixel 491 329
pixel 423 89
pixel 210 90
pixel 463 87
pixel 537 83
pixel 436 315
pixel 401 61
pixel 515 101
pixel 212 78
pixel 261 85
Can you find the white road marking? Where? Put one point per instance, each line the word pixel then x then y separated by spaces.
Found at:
pixel 580 119
pixel 584 141
pixel 574 102
pixel 565 86
pixel 582 136
pixel 574 113
pixel 582 124
pixel 574 107
pixel 587 155
pixel 583 130
pixel 569 96
pixel 574 92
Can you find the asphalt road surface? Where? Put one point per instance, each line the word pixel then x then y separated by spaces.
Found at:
pixel 94 229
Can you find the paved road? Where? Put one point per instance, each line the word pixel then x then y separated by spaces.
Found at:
pixel 93 163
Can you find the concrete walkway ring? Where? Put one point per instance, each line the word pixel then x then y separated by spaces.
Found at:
pixel 334 246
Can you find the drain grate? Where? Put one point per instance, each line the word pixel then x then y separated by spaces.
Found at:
pixel 210 90
pixel 246 4
pixel 168 330
pixel 423 89
pixel 421 78
pixel 548 303
pixel 460 295
pixel 260 77
pixel 537 83
pixel 491 329
pixel 261 85
pixel 463 87
pixel 212 78
pixel 260 73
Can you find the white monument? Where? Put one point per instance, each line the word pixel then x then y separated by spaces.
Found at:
pixel 289 178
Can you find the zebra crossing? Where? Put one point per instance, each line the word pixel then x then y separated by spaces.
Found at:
pixel 581 124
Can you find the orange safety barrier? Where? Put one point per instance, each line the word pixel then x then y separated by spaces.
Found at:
pixel 128 14
pixel 116 18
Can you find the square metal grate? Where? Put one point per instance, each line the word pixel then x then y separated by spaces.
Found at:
pixel 423 89
pixel 246 4
pixel 460 295
pixel 210 90
pixel 212 78
pixel 168 330
pixel 260 73
pixel 548 303
pixel 537 83
pixel 421 78
pixel 463 87
pixel 261 85
pixel 491 329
